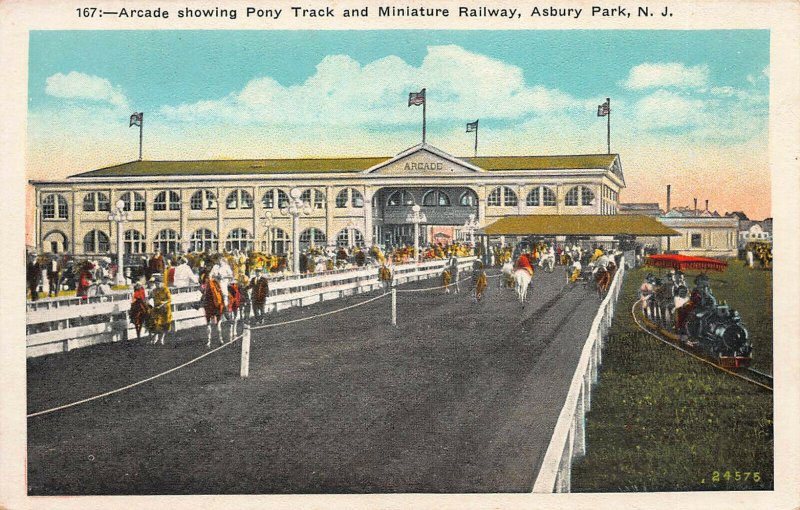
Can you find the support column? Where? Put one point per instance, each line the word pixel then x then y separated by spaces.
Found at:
pixel 367 192
pixel 258 233
pixel 185 208
pixel 75 221
pixel 149 235
pixel 221 202
pixel 330 200
pixel 38 242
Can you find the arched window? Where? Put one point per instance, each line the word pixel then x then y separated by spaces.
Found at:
pixel 571 197
pixel 239 199
pixel 203 239
pixel 312 236
pixel 541 195
pixel 274 198
pixel 279 240
pixel 132 201
pixel 502 195
pixel 95 242
pixel 350 237
pixel 167 199
pixel 436 197
pixel 400 198
pixel 203 199
pixel 239 239
pixel 54 207
pixel 587 197
pixel 468 199
pixel 55 242
pixel 96 201
pixel 134 242
pixel 167 241
pixel 356 198
pixel 315 199
pixel 548 196
pixel 532 200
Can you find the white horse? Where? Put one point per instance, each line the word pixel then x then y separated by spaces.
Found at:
pixel 522 278
pixel 548 261
pixel 646 297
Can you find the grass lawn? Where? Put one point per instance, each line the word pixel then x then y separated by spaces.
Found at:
pixel 662 421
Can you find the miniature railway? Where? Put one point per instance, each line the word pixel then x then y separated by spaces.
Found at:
pixel 752 376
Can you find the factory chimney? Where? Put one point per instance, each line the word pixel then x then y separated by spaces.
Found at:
pixel 695 207
pixel 706 204
pixel 669 190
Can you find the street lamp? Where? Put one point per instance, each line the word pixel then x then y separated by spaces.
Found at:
pixel 470 226
pixel 120 216
pixel 416 217
pixel 269 222
pixel 294 208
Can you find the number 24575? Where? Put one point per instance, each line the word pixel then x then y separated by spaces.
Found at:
pixel 736 476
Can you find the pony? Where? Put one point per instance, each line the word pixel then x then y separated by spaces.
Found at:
pixel 235 308
pixel 548 261
pixel 646 295
pixel 523 274
pixel 213 306
pixel 602 280
pixel 139 311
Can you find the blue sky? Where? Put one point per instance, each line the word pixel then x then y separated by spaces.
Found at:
pixel 679 98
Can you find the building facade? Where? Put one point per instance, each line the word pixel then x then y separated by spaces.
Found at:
pixel 703 233
pixel 180 206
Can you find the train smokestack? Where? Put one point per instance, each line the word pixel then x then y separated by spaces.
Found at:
pixel 695 207
pixel 669 194
pixel 706 204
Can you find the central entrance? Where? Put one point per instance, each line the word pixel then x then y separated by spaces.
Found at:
pixel 446 209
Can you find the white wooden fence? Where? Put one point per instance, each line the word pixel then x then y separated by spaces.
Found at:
pixel 569 436
pixel 64 324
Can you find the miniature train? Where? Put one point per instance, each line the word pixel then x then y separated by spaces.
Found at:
pixel 697 319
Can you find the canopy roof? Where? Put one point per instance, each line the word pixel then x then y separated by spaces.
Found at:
pixel 578 225
pixel 684 262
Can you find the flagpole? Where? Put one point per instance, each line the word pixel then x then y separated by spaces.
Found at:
pixel 141 126
pixel 476 138
pixel 608 100
pixel 424 105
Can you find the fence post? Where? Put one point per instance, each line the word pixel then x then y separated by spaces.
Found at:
pixel 245 368
pixel 394 306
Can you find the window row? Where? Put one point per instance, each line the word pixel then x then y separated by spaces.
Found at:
pixel 169 241
pixel 431 198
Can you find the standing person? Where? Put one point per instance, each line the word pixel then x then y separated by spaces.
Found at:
pixel 385 276
pixel 161 314
pixel 183 275
pixel 223 273
pixel 454 272
pixel 84 280
pixel 155 265
pixel 260 290
pixel 750 258
pixel 479 280
pixel 53 276
pixel 34 274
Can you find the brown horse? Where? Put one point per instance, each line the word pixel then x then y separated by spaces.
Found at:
pixel 139 313
pixel 214 307
pixel 602 280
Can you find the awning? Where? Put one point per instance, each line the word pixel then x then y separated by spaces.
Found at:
pixel 684 262
pixel 578 225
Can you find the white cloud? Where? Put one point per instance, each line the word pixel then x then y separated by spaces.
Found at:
pixel 665 109
pixel 77 85
pixel 673 74
pixel 460 86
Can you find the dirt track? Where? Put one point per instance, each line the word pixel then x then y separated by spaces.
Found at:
pixel 460 397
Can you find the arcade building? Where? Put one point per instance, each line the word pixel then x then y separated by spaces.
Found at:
pixel 181 206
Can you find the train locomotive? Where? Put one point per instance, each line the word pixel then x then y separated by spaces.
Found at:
pixel 713 329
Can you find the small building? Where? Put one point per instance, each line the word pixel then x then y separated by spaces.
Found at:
pixel 703 233
pixel 641 209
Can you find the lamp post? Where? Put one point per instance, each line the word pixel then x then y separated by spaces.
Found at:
pixel 269 222
pixel 119 216
pixel 470 226
pixel 416 217
pixel 294 208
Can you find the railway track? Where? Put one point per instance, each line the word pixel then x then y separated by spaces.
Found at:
pixel 750 375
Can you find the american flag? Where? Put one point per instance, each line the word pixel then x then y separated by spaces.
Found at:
pixel 416 98
pixel 136 119
pixel 472 126
pixel 603 110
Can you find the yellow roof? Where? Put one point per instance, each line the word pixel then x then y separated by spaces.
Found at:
pixel 578 225
pixel 329 165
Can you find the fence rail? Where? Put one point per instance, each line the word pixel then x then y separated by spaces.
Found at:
pixel 64 324
pixel 569 436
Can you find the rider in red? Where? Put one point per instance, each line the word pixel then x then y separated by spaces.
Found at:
pixel 524 262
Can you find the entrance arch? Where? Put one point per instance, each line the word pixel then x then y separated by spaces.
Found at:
pixel 55 241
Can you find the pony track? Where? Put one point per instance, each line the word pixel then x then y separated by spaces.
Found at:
pixel 660 338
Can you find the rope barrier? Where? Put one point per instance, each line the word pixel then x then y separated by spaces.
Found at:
pixel 301 319
pixel 133 385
